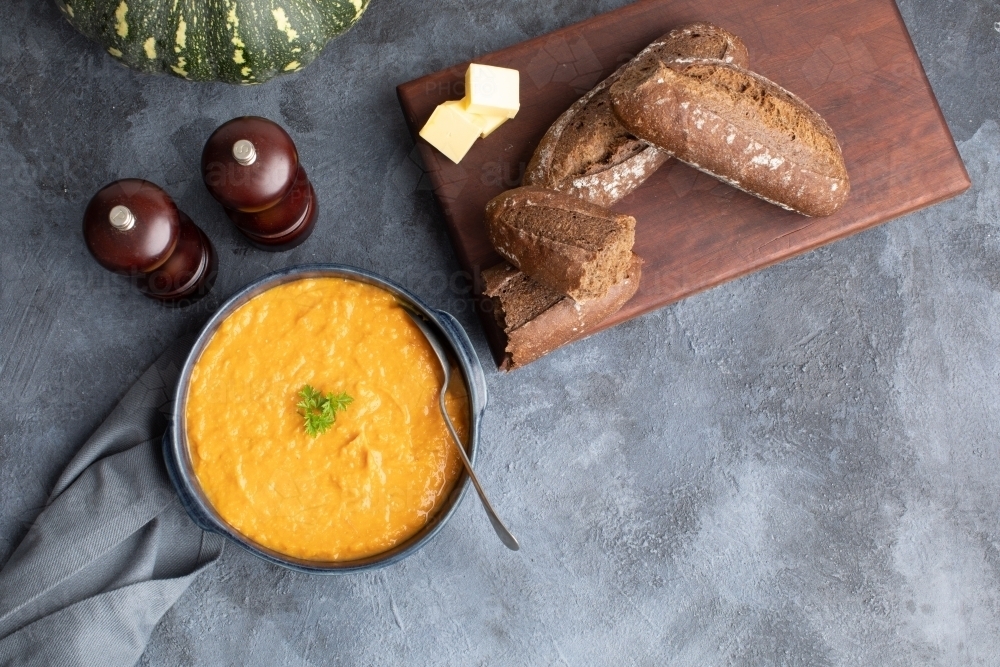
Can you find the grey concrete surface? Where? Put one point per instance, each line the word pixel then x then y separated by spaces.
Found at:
pixel 798 468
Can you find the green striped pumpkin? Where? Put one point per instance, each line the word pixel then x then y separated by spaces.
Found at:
pixel 236 41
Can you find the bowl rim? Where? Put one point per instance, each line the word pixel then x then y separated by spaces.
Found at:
pixel 177 456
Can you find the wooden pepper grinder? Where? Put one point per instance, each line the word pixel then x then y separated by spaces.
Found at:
pixel 250 165
pixel 132 227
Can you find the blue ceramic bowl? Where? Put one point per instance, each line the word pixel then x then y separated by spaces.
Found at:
pixel 178 461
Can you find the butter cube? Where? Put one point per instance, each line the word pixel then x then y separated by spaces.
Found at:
pixel 487 124
pixel 452 131
pixel 492 91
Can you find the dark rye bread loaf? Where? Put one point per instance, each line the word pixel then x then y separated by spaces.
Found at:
pixel 537 320
pixel 589 154
pixel 739 127
pixel 571 246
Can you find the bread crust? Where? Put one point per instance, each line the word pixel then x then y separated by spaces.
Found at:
pixel 587 153
pixel 696 40
pixel 567 244
pixel 537 320
pixel 739 127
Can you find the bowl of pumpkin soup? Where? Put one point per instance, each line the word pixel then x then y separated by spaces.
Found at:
pixel 306 425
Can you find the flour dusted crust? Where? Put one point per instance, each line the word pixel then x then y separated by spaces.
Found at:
pixel 587 153
pixel 616 182
pixel 565 243
pixel 537 320
pixel 739 127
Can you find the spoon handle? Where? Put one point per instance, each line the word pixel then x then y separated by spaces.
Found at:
pixel 502 531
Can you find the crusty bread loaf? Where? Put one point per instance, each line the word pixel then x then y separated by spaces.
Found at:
pixel 537 320
pixel 737 126
pixel 589 154
pixel 569 245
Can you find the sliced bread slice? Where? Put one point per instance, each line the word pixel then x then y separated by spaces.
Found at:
pixel 569 245
pixel 537 320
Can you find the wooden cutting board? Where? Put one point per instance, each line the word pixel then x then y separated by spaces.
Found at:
pixel 851 60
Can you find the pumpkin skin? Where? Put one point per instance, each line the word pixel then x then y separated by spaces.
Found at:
pixel 236 41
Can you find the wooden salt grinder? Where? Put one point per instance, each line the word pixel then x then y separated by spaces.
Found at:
pixel 250 165
pixel 132 227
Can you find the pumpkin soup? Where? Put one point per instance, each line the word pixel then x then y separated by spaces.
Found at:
pixel 367 482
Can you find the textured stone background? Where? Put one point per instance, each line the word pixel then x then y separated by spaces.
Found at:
pixel 798 468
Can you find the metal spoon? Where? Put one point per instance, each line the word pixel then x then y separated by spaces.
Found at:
pixel 502 531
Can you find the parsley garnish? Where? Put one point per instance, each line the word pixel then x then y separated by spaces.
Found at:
pixel 319 411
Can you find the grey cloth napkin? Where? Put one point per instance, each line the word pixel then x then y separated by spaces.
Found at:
pixel 112 550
